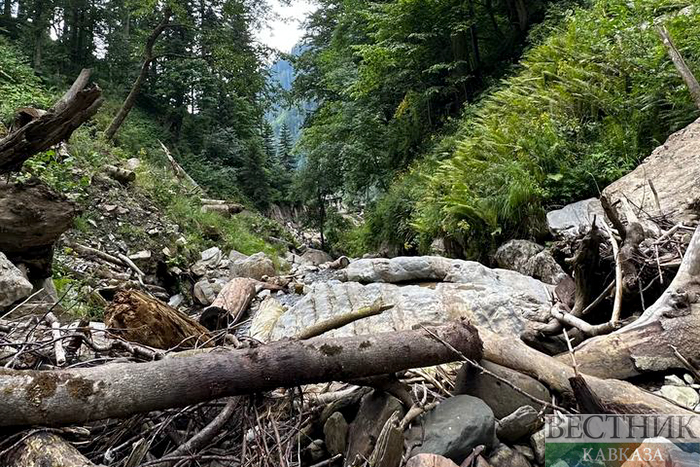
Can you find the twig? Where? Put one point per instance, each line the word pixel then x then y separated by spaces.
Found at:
pixel 686 363
pixel 60 352
pixel 617 306
pixel 342 320
pixel 328 461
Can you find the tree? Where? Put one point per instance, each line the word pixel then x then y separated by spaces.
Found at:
pixel 285 146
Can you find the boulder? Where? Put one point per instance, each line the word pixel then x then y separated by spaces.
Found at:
pixel 502 399
pixel 211 257
pixel 453 428
pixel 504 456
pixel 674 169
pixel 315 257
pixel 375 409
pixel 574 218
pixel 522 422
pixel 206 290
pixel 265 319
pixel 682 395
pixel 335 431
pixel 531 259
pixel 537 441
pixel 254 267
pixel 13 285
pixel 499 300
pixel 399 269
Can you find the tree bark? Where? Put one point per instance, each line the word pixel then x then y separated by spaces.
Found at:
pixel 229 305
pixel 680 65
pixel 618 396
pixel 58 397
pixel 148 57
pixel 43 449
pixel 646 344
pixel 78 105
pixel 139 318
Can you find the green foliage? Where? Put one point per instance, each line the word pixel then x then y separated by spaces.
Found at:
pixel 19 86
pixel 587 104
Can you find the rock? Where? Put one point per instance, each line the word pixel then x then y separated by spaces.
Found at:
pixel 502 399
pixel 316 450
pixel 526 451
pixel 255 267
pixel 13 285
pixel 537 443
pixel 375 409
pixel 688 378
pixel 399 269
pixel 315 257
pixel 496 299
pixel 176 300
pixel 429 460
pixel 336 432
pixel 133 163
pixel 206 290
pixel 453 428
pixel 265 319
pixel 574 218
pixel 211 257
pixel 681 395
pixel 531 259
pixel 515 254
pixel 522 422
pixel 143 255
pixel 438 247
pixel 504 456
pixel 674 169
pixel 674 380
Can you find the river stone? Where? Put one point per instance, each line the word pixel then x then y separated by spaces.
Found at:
pixel 375 409
pixel 682 395
pixel 522 422
pixel 502 399
pixel 255 267
pixel 574 218
pixel 13 285
pixel 496 299
pixel 336 432
pixel 674 168
pixel 453 428
pixel 531 259
pixel 315 257
pixel 265 318
pixel 504 456
pixel 206 290
pixel 537 441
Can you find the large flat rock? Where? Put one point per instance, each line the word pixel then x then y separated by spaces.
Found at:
pixel 497 299
pixel 674 170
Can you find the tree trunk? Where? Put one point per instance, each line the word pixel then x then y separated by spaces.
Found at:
pixel 680 65
pixel 7 8
pixel 618 396
pixel 136 87
pixel 139 318
pixel 648 343
pixel 230 304
pixel 58 124
pixel 58 397
pixel 44 449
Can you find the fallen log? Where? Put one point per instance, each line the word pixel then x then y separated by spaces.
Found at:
pixel 139 318
pixel 42 449
pixel 58 397
pixel 229 305
pixel 618 396
pixel 648 343
pixel 123 176
pixel 43 130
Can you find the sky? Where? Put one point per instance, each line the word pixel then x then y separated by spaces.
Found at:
pixel 286 31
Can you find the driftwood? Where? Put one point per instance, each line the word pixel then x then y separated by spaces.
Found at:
pixel 57 397
pixel 648 343
pixel 230 304
pixel 139 318
pixel 32 217
pixel 78 105
pixel 680 65
pixel 226 210
pixel 618 396
pixel 41 449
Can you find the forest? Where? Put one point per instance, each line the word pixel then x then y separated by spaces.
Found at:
pixel 418 236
